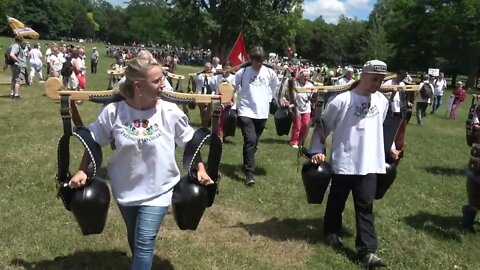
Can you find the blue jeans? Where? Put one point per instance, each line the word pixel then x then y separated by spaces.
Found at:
pixel 143 224
pixel 437 101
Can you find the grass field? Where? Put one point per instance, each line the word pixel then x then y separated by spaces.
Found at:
pixel 269 226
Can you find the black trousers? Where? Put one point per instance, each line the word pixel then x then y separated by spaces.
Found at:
pixel 251 130
pixel 363 188
pixel 93 66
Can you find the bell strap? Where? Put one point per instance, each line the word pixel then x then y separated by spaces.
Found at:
pixel 63 151
pixel 191 154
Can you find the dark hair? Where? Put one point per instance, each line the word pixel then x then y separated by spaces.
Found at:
pixel 402 73
pixel 257 53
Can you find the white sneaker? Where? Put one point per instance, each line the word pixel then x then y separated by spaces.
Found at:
pixel 41 82
pixel 295 146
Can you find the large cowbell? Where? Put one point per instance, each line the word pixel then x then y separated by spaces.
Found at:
pixel 190 199
pixel 189 203
pixel 90 206
pixel 384 181
pixel 230 122
pixel 283 121
pixel 316 178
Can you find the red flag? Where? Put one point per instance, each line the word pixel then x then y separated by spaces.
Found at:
pixel 238 55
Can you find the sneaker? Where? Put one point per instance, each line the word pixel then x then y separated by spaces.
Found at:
pixel 334 240
pixel 468 218
pixel 372 260
pixel 250 181
pixel 295 146
pixel 41 82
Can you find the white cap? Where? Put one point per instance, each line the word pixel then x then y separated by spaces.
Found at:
pixel 375 67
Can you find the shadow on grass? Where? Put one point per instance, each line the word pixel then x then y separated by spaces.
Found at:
pixel 309 230
pixel 112 259
pixel 235 172
pixel 276 140
pixel 5 96
pixel 443 228
pixel 445 171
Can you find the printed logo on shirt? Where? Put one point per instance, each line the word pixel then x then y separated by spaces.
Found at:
pixel 258 80
pixel 365 110
pixel 141 131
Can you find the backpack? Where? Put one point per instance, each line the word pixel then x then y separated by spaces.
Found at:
pixel 426 91
pixel 66 68
pixel 8 59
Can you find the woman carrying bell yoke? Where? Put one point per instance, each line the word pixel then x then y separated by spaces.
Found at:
pixel 142 170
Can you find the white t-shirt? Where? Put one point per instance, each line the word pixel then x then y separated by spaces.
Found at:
pixel 439 86
pixel 357 125
pixel 199 80
pixel 35 57
pixel 344 80
pixel 142 169
pixel 255 91
pixel 303 99
pixel 217 67
pixel 48 52
pixel 395 104
pixel 57 62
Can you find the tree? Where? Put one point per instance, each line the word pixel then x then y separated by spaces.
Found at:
pixel 147 21
pixel 376 43
pixel 83 27
pixel 217 23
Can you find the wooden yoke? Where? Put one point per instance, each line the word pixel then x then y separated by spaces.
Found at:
pixel 346 87
pixel 54 89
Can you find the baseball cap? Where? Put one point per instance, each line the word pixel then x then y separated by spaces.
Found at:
pixel 375 67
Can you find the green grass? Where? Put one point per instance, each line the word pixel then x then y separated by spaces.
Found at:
pixel 269 226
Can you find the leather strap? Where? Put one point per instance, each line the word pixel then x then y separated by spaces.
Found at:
pixel 63 150
pixel 191 155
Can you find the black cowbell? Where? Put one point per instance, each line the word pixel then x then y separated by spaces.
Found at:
pixel 283 121
pixel 316 178
pixel 230 122
pixel 188 203
pixel 90 205
pixel 384 181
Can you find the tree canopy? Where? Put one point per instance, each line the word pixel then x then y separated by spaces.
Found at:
pixel 408 34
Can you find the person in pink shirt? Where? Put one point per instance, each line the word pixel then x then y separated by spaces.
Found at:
pixel 460 95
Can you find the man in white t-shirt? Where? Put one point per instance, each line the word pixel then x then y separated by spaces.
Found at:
pixel 357 155
pixel 347 78
pixel 395 101
pixel 255 86
pixel 48 52
pixel 36 63
pixel 439 85
pixel 216 66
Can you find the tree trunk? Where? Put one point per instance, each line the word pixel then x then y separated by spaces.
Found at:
pixel 472 77
pixel 454 80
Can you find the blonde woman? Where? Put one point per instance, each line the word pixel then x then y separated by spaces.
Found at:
pixel 142 170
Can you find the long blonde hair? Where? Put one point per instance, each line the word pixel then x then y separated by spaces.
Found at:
pixel 136 71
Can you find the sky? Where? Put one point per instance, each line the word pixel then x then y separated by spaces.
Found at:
pixel 330 10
